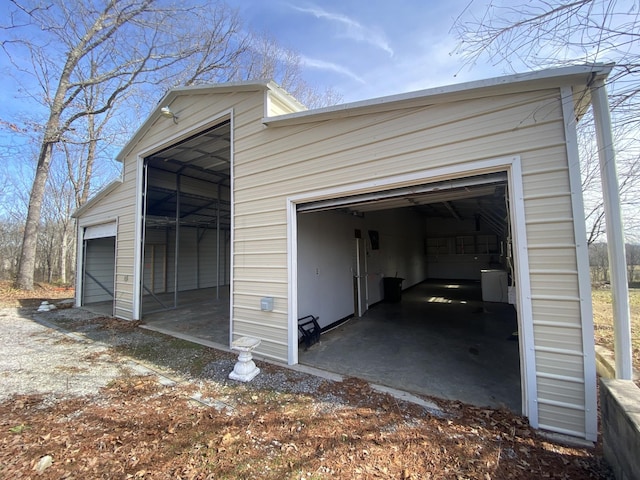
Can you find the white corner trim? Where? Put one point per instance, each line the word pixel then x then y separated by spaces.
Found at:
pixel 137 242
pixel 232 136
pixel 292 266
pixel 584 276
pixel 523 291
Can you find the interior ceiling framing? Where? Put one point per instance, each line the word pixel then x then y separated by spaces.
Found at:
pixel 205 156
pixel 472 198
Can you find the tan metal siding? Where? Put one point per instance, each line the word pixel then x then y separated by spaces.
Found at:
pixel 274 163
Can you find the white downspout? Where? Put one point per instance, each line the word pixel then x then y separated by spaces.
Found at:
pixel 615 234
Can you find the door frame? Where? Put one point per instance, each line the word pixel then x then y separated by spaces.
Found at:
pixel 512 166
pixel 361 291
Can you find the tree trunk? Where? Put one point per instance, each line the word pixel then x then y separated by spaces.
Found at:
pixel 63 256
pixel 26 266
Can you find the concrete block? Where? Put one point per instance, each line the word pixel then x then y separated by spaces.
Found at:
pixel 620 412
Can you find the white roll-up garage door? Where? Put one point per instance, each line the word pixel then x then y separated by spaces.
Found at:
pixel 100 231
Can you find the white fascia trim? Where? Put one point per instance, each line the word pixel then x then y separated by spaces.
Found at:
pixel 511 164
pixel 584 276
pixel 546 78
pixel 184 132
pixel 79 264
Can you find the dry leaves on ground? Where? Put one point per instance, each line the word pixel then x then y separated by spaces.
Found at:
pixel 139 429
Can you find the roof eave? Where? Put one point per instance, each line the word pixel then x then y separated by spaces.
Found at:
pixel 579 75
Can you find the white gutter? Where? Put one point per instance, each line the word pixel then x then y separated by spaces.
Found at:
pixel 615 234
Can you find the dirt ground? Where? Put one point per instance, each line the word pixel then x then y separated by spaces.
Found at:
pixel 283 425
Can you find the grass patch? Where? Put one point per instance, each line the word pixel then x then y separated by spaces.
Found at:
pixel 603 320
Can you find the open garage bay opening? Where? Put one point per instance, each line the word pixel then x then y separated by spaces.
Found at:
pixel 414 289
pixel 186 242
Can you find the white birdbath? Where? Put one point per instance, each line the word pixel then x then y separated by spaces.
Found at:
pixel 245 369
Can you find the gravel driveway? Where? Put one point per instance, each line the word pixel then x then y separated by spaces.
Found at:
pixel 36 359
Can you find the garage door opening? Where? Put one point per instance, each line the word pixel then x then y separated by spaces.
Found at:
pixel 421 289
pixel 186 236
pixel 98 268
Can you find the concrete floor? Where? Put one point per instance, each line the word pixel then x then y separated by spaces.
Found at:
pixel 202 314
pixel 441 340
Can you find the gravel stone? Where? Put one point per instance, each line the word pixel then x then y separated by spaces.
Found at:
pixel 32 361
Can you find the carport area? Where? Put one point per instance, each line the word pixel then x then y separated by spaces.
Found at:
pixel 441 340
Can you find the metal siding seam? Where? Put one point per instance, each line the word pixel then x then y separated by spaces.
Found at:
pixel 556 298
pixel 565 431
pixel 542 271
pixel 550 220
pixel 545 323
pixel 542 171
pixel 564 378
pixel 556 403
pixel 561 351
pixel 550 246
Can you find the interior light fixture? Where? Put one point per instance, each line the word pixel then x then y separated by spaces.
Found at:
pixel 166 112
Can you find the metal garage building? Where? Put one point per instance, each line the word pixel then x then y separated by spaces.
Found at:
pixel 238 191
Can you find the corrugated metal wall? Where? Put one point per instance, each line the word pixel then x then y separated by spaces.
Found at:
pixel 197 265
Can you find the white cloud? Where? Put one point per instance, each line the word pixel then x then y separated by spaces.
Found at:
pixel 352 28
pixel 333 67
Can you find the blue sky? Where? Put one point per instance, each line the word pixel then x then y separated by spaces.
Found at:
pixel 370 49
pixel 359 49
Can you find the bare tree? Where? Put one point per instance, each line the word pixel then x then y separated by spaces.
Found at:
pixel 633 260
pixel 266 59
pixel 544 33
pixel 78 59
pixel 599 262
pixel 114 44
